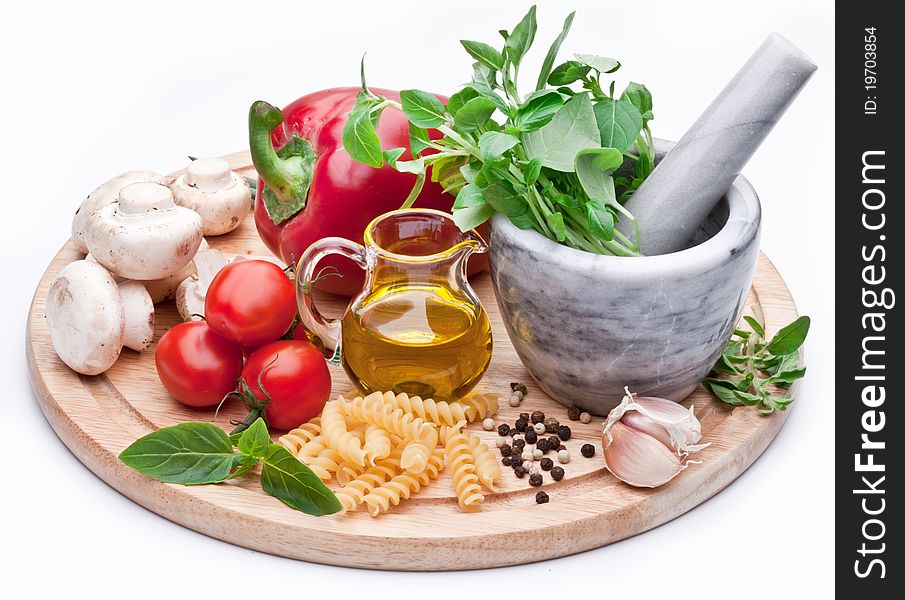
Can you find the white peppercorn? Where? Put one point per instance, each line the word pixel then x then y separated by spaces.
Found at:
pixel 539 428
pixel 518 436
pixel 500 441
pixel 585 417
pixel 563 456
pixel 537 454
pixel 514 400
pixel 488 424
pixel 527 455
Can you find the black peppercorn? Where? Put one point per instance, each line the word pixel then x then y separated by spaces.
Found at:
pixel 516 461
pixel 503 429
pixel 557 473
pixel 574 413
pixel 507 461
pixel 587 450
pixel 546 464
pixel 537 417
pixel 518 445
pixel 542 498
pixel 525 416
pixel 536 479
pixel 521 424
pixel 520 471
pixel 530 436
pixel 542 445
pixel 506 450
pixel 564 432
pixel 553 443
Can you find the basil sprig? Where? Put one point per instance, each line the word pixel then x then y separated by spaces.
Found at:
pixel 750 367
pixel 201 453
pixel 528 157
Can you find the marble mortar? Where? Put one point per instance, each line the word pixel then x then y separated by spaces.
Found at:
pixel 586 325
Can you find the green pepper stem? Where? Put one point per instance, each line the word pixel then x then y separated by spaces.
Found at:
pixel 279 174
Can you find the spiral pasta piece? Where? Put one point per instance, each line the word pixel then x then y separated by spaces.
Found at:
pixel 301 435
pixel 403 485
pixel 377 443
pixel 308 455
pixel 421 435
pixel 337 435
pixel 487 467
pixel 344 470
pixel 480 405
pixel 439 412
pixel 353 493
pixel 462 467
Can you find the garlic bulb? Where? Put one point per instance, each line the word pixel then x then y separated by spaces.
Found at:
pixel 646 441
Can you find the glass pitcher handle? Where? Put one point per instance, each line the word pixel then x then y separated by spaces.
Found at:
pixel 329 331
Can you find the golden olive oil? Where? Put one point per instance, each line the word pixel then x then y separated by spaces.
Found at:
pixel 417 339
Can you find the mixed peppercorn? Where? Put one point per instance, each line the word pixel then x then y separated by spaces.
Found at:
pixel 527 430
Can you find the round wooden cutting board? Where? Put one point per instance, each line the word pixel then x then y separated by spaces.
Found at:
pixel 97 417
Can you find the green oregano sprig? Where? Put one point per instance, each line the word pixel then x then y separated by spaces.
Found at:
pixel 547 161
pixel 202 453
pixel 751 368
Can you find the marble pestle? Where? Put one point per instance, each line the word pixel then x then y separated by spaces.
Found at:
pixel 686 186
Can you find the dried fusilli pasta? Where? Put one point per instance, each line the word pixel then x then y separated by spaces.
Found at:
pixel 480 405
pixel 440 412
pixel 402 486
pixel 487 467
pixel 352 494
pixel 308 455
pixel 420 434
pixel 377 443
pixel 462 467
pixel 301 435
pixel 337 435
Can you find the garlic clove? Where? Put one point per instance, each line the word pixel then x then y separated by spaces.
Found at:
pixel 665 420
pixel 637 458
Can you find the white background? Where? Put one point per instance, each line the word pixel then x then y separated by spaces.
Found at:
pixel 92 90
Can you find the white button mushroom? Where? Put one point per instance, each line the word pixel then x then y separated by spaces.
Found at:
pixel 144 235
pixel 104 195
pixel 211 189
pixel 91 318
pixel 192 291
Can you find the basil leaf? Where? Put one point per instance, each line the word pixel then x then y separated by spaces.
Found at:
pixel 468 218
pixel 482 75
pixel 600 220
pixel 538 111
pixel 419 140
pixel 788 377
pixel 469 172
pixel 188 453
pixel 474 113
pixel 486 92
pixel 757 327
pixel 458 100
pixel 594 167
pixel 557 226
pixel 483 53
pixel 619 123
pixel 493 144
pixel 746 398
pixel 568 72
pixel 725 394
pixel 503 198
pixel 553 51
pixel 392 155
pixel 640 97
pixel 247 462
pixel 286 478
pixel 235 437
pixel 255 440
pixel 469 196
pixel 519 41
pixel 411 166
pixel 573 128
pixel 604 64
pixel 531 171
pixel 422 109
pixel 360 138
pixel 789 338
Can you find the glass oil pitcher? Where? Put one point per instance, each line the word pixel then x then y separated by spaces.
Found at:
pixel 417 326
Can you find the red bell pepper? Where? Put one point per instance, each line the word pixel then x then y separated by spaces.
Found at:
pixel 310 188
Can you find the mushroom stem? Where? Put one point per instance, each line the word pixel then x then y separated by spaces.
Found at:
pixel 138 311
pixel 286 177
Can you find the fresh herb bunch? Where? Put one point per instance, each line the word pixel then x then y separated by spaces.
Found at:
pixel 201 453
pixel 549 165
pixel 750 365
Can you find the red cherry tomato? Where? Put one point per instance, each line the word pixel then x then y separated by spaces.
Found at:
pixel 251 302
pixel 295 376
pixel 197 366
